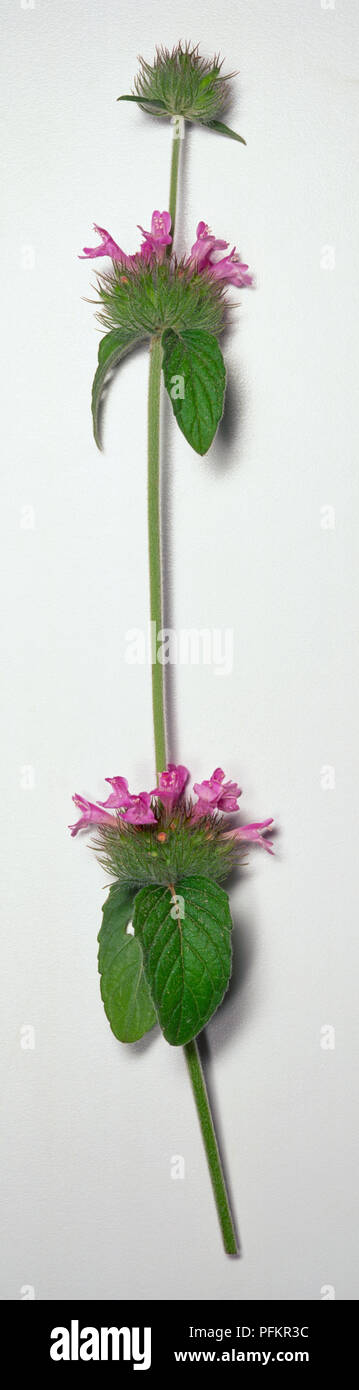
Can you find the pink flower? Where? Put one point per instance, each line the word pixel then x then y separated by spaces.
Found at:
pixel 228 268
pixel 139 812
pixel 154 242
pixel 136 810
pixel 204 246
pixel 120 796
pixel 215 794
pixel 158 238
pixel 202 256
pixel 249 833
pixel 91 815
pixel 107 248
pixel 232 269
pixel 171 784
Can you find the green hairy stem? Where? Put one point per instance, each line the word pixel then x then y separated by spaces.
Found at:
pixel 176 148
pixel 154 546
pixel 211 1147
pixel 154 540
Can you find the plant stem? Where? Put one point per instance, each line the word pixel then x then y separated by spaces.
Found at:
pixel 176 146
pixel 154 504
pixel 159 727
pixel 211 1147
pixel 154 547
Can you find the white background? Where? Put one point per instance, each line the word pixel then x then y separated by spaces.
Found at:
pixel 91 1209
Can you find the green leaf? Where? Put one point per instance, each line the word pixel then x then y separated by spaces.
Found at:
pixel 124 991
pixel 223 130
pixel 195 379
pixel 186 938
pixel 144 101
pixel 112 348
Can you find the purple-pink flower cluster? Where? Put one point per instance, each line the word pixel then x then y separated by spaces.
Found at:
pixel 229 268
pixel 154 245
pixel 213 795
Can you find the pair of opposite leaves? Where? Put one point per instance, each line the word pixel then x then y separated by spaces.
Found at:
pixel 191 357
pixel 173 967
